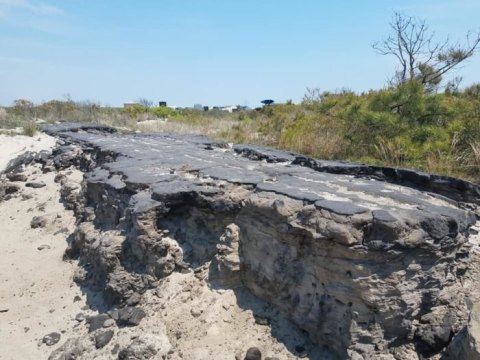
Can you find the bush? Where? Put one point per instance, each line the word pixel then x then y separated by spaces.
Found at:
pixel 163 112
pixel 30 129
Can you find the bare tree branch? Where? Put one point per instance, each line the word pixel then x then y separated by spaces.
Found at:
pixel 419 55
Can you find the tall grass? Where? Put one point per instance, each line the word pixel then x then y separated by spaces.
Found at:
pixel 30 129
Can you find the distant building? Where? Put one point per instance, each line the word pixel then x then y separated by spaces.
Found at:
pixel 198 107
pixel 162 103
pixel 206 108
pixel 230 108
pixel 130 104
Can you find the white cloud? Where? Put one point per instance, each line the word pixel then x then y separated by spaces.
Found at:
pixel 30 6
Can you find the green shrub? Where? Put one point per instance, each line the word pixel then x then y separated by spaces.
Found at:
pixel 163 112
pixel 30 129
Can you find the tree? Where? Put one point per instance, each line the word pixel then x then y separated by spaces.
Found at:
pixel 23 107
pixel 267 102
pixel 89 110
pixel 145 102
pixel 58 108
pixel 420 56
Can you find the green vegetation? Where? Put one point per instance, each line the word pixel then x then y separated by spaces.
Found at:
pixel 30 129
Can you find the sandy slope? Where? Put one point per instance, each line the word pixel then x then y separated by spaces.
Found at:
pixel 36 289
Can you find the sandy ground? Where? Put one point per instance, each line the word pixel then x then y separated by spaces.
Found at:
pixel 37 294
pixel 152 122
pixel 205 323
pixel 12 146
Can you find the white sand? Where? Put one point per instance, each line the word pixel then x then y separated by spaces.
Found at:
pixel 13 146
pixel 36 288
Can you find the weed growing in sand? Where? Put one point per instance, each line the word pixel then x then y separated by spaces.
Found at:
pixel 30 129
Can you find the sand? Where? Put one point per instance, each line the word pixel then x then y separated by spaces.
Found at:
pixel 12 146
pixel 36 288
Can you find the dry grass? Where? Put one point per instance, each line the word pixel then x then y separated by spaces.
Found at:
pixel 475 154
pixel 323 143
pixel 30 129
pixel 212 129
pixel 390 152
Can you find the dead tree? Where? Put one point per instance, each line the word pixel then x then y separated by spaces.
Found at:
pixel 419 55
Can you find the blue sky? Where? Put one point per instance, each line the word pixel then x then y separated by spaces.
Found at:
pixel 213 52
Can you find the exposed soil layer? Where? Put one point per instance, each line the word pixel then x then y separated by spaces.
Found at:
pixel 305 258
